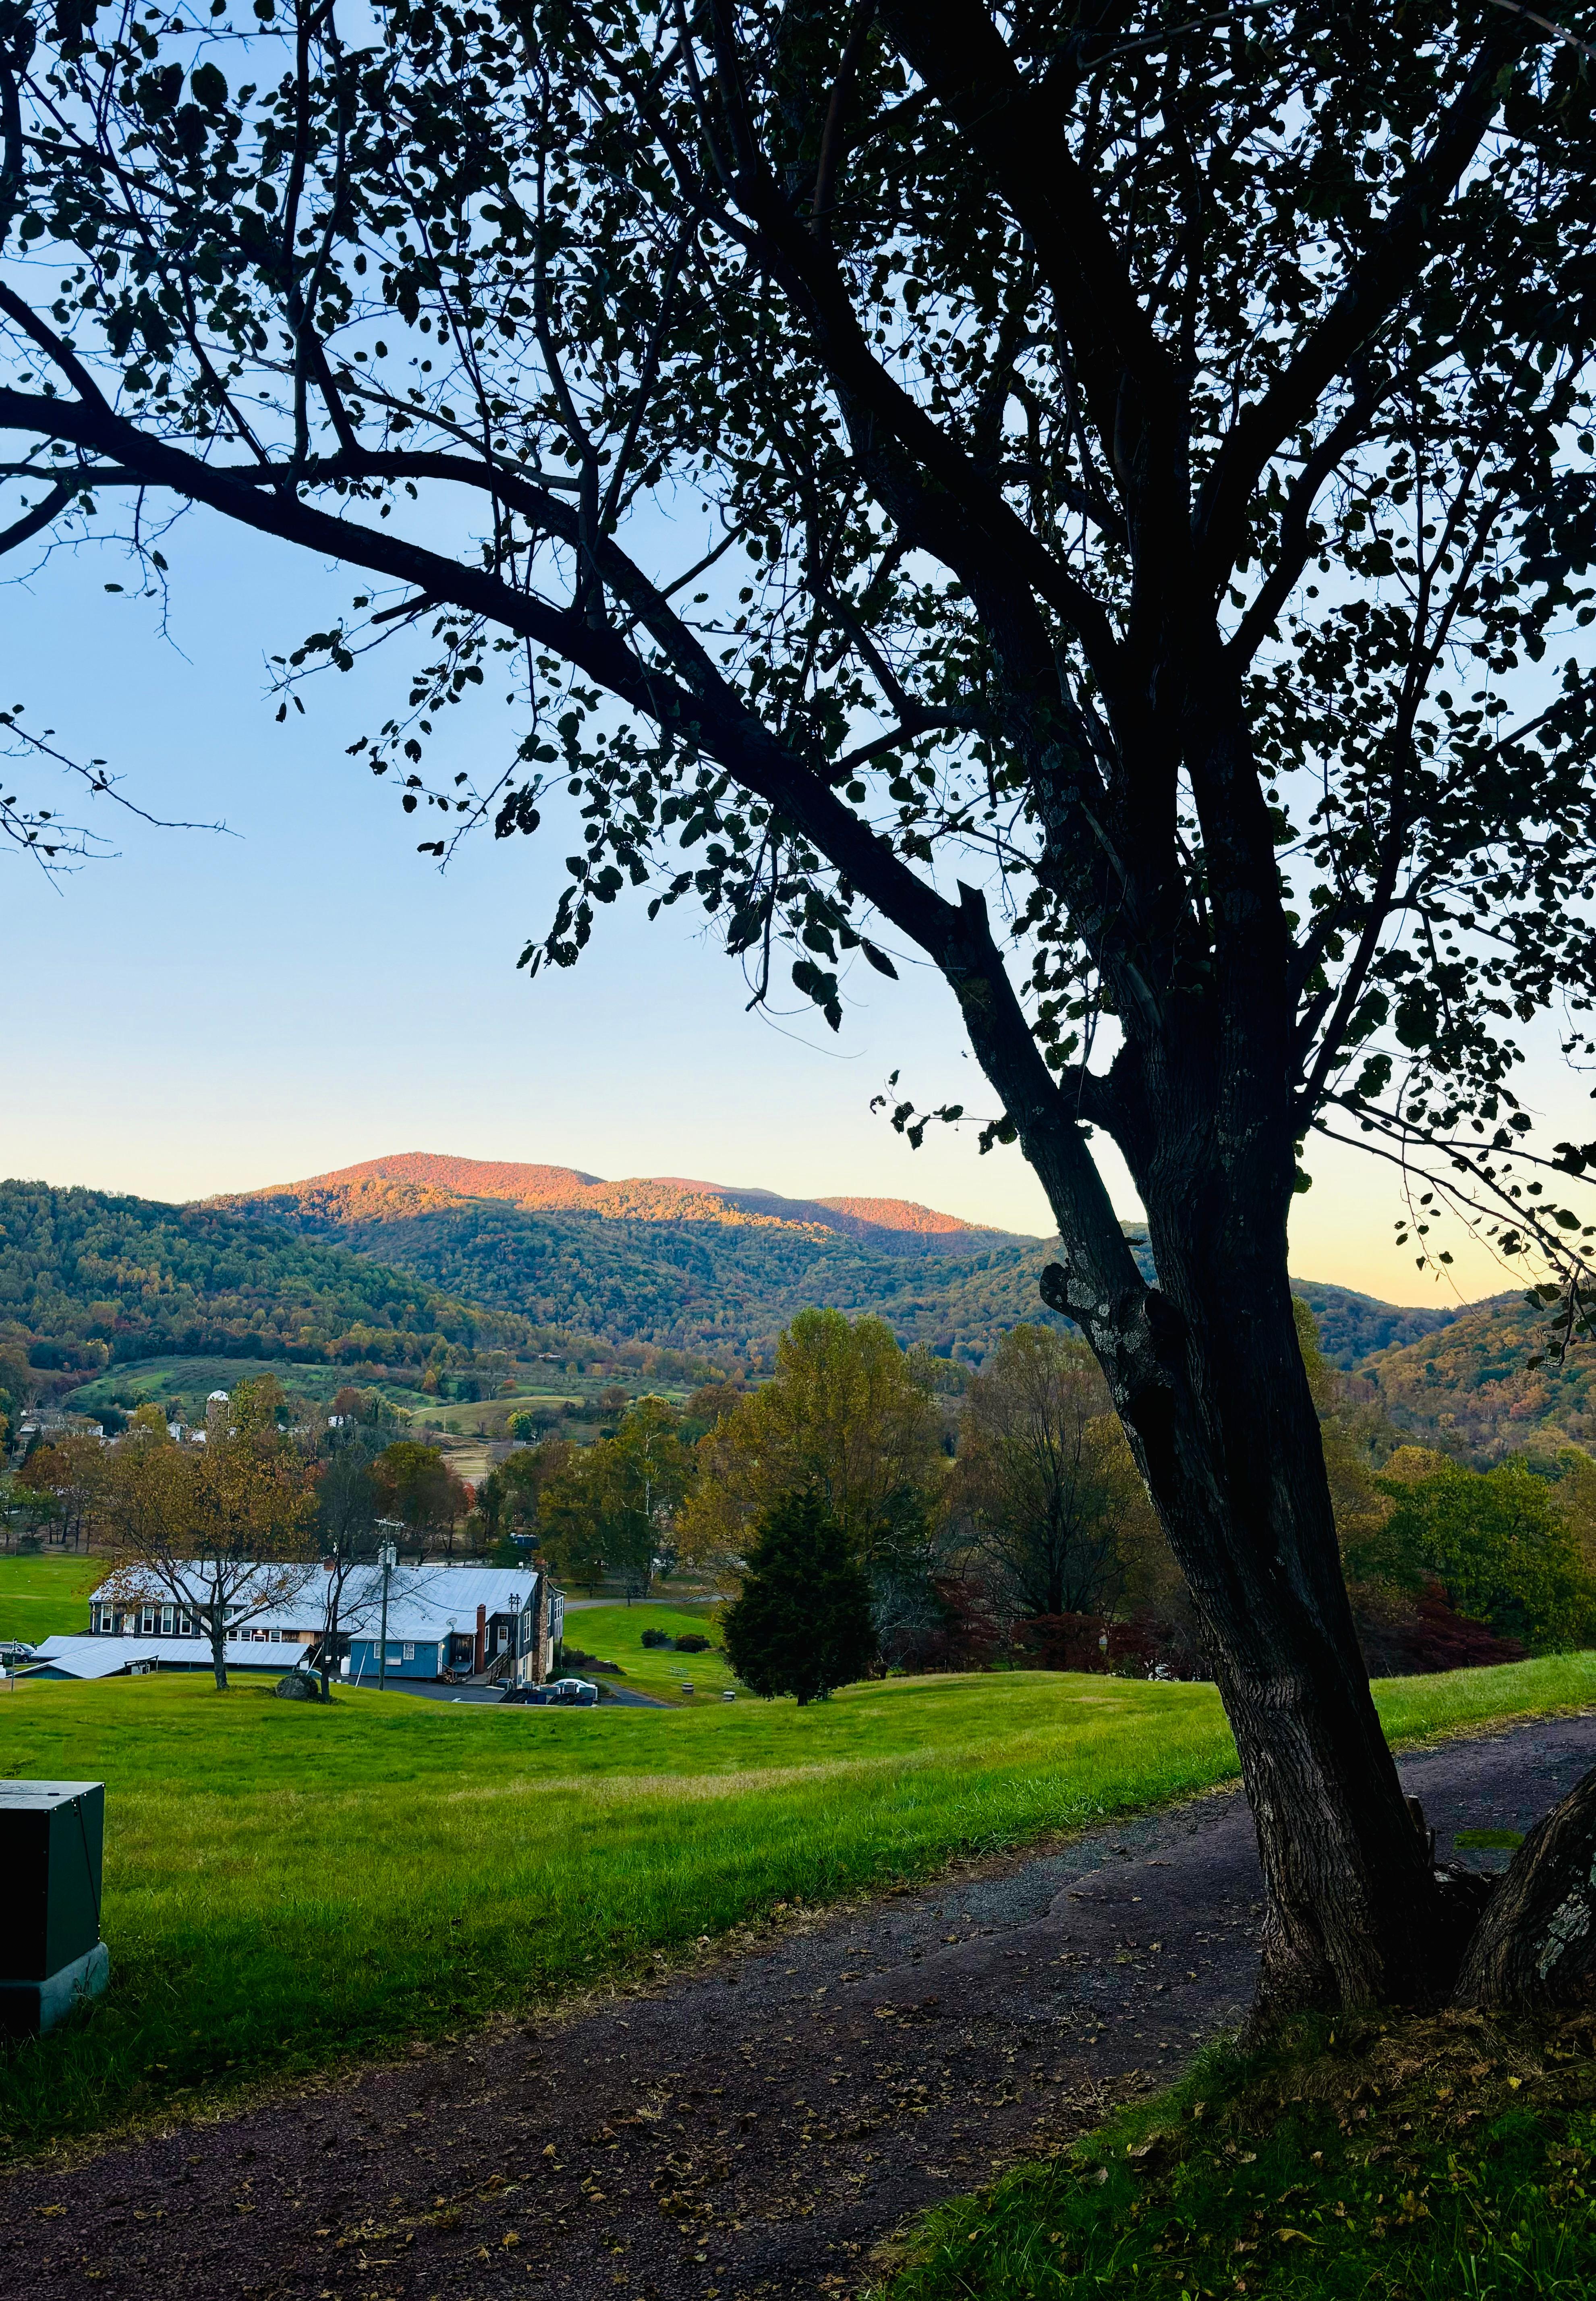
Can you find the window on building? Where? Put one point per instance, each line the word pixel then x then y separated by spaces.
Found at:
pixel 108 1622
pixel 184 1626
pixel 410 1653
pixel 146 1623
pixel 168 1617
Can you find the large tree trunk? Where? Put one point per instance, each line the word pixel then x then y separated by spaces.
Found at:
pixel 1535 1947
pixel 1209 1379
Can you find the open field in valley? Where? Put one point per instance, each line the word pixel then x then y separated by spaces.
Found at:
pixel 193 1378
pixel 287 1885
pixel 47 1597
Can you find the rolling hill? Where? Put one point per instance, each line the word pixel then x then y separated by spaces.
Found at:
pixel 705 1267
pixel 412 1184
pixel 371 1265
pixel 89 1279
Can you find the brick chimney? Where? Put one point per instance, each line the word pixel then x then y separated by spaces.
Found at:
pixel 482 1662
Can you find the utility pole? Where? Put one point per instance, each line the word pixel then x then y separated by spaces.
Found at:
pixel 388 1557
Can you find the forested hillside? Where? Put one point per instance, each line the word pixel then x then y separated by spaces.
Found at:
pixel 412 1183
pixel 378 1265
pixel 725 1288
pixel 1351 1325
pixel 87 1279
pixel 1483 1387
pixel 697 1266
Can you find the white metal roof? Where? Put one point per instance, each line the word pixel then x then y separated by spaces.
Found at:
pixel 101 1657
pixel 424 1602
pixel 428 1602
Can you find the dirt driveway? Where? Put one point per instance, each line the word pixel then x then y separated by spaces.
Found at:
pixel 752 2128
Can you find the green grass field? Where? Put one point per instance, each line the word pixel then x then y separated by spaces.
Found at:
pixel 615 1634
pixel 47 1597
pixel 287 1887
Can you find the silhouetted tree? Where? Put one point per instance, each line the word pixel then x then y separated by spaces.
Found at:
pixel 1107 462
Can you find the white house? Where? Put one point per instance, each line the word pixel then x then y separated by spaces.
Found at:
pixel 443 1622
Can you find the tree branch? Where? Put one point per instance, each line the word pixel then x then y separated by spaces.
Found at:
pixel 1392 263
pixel 958 52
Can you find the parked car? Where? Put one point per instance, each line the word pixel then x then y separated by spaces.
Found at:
pixel 578 1693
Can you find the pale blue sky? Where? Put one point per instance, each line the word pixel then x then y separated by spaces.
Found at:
pixel 211 1013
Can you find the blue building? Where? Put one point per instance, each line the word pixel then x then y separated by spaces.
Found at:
pixel 456 1623
pixel 459 1622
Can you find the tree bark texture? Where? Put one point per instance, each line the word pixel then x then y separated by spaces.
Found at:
pixel 1535 1946
pixel 1209 1379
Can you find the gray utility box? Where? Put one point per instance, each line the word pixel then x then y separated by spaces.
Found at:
pixel 52 1835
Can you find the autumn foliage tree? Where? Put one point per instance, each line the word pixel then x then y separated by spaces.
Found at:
pixel 221 1532
pixel 72 1469
pixel 611 1508
pixel 1045 1482
pixel 847 1414
pixel 416 1488
pixel 1065 492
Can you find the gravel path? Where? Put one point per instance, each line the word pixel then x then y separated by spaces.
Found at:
pixel 754 2126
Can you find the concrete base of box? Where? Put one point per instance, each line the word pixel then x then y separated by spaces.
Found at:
pixel 30 2009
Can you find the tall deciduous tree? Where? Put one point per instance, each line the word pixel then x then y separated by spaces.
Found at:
pixel 221 1532
pixel 415 1485
pixel 1115 460
pixel 611 1508
pixel 847 1414
pixel 1044 1480
pixel 72 1468
pixel 347 1536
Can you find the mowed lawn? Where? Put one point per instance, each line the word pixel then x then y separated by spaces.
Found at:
pixel 288 1885
pixel 47 1597
pixel 615 1634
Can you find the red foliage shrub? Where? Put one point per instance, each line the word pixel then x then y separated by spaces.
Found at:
pixel 1141 1647
pixel 1433 1637
pixel 957 1634
pixel 1064 1642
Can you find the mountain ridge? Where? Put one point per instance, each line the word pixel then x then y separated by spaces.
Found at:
pixel 384 1273
pixel 681 1263
pixel 407 1183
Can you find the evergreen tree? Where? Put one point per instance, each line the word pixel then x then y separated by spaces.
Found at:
pixel 802 1625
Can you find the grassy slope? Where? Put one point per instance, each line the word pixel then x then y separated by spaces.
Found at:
pixel 287 1885
pixel 45 1597
pixel 1441 2158
pixel 192 1378
pixel 615 1634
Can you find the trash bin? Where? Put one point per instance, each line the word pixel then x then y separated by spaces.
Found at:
pixel 51 1954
